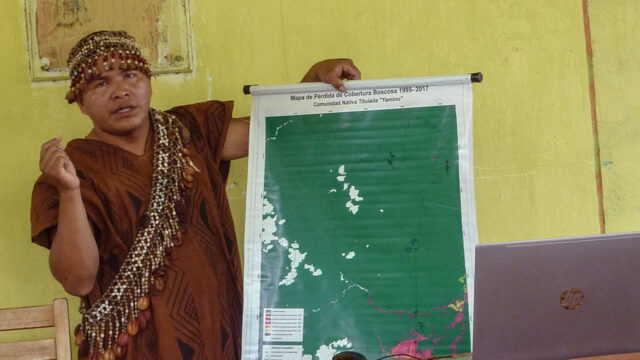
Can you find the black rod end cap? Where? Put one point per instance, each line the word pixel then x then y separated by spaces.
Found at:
pixel 247 89
pixel 476 77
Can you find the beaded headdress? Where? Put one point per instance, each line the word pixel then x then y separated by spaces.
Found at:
pixel 105 46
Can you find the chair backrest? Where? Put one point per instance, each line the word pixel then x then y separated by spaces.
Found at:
pixel 53 315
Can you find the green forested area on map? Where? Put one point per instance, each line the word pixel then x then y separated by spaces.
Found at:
pixel 367 229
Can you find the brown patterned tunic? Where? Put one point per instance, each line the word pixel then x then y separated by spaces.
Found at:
pixel 199 313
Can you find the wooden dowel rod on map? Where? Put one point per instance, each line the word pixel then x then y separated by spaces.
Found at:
pixel 475 78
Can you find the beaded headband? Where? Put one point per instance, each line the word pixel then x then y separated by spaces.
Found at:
pixel 110 45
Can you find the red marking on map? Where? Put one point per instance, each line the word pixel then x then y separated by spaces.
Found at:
pixel 410 346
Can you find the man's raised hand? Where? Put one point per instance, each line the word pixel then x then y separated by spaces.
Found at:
pixel 57 167
pixel 333 71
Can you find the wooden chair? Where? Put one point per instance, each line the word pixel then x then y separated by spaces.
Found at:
pixel 54 315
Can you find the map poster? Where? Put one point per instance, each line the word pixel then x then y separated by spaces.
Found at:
pixel 360 224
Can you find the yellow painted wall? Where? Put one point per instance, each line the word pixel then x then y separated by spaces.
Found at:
pixel 616 51
pixel 534 158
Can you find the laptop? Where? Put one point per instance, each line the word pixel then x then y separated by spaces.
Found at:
pixel 557 298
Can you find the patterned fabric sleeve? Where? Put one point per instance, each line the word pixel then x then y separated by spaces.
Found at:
pixel 44 211
pixel 208 123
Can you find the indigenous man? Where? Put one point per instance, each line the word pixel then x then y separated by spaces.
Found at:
pixel 136 216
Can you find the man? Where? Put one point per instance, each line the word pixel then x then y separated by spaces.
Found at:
pixel 136 216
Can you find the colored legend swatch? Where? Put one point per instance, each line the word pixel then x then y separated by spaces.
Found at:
pixel 283 324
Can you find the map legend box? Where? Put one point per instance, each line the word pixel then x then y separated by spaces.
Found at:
pixel 280 325
pixel 281 352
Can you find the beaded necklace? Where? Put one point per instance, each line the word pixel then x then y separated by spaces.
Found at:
pixel 123 309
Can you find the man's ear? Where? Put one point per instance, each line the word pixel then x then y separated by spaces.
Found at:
pixel 80 103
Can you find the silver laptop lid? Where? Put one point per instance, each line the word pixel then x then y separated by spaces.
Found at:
pixel 557 298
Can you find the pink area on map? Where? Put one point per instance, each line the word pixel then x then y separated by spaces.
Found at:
pixel 457 320
pixel 382 348
pixel 410 346
pixel 454 345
